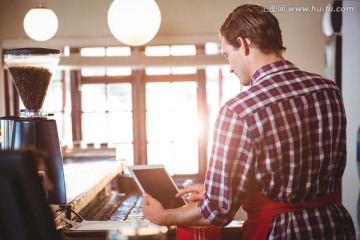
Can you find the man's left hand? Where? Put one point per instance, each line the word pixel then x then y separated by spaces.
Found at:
pixel 153 210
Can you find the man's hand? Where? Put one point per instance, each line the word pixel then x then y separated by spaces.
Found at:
pixel 195 193
pixel 188 215
pixel 153 210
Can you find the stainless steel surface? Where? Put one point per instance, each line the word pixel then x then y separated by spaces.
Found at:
pixel 6 126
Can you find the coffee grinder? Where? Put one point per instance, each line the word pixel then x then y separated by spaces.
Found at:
pixel 32 70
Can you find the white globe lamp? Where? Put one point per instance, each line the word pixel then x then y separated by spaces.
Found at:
pixel 134 22
pixel 40 24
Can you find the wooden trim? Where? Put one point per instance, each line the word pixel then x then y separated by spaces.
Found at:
pixel 106 79
pixel 131 78
pixel 76 61
pixel 75 106
pixel 110 41
pixel 171 78
pixel 63 87
pixel 139 118
pixel 203 113
pixel 7 95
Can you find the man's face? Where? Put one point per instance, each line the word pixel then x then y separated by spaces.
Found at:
pixel 237 62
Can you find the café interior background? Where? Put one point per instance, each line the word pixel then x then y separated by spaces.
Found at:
pixel 83 23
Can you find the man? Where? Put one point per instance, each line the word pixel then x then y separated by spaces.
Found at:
pixel 279 148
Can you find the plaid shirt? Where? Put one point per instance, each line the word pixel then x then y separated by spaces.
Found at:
pixel 287 135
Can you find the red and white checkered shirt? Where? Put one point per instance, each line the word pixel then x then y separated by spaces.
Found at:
pixel 286 134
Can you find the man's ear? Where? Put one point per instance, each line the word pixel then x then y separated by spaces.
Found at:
pixel 244 44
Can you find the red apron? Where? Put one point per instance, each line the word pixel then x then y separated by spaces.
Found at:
pixel 260 211
pixel 198 233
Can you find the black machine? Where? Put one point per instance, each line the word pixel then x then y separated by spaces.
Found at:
pixel 24 211
pixel 32 70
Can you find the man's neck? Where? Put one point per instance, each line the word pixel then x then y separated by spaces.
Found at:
pixel 260 59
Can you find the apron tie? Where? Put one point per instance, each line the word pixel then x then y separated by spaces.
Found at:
pixel 260 211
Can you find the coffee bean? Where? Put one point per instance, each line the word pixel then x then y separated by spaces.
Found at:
pixel 32 84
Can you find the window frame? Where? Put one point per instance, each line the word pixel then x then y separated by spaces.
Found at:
pixel 138 80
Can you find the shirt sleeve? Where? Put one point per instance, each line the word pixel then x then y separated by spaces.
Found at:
pixel 228 170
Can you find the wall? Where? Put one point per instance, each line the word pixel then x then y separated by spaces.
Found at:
pixel 83 23
pixel 351 89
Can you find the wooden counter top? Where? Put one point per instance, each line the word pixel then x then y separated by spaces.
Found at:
pixel 84 180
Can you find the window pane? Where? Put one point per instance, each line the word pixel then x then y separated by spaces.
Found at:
pixel 158 70
pixel 58 117
pixel 66 139
pixel 159 126
pixel 161 153
pixel 118 71
pixel 157 51
pixel 57 77
pixel 173 126
pixel 94 127
pixel 183 70
pixel 119 97
pixel 126 152
pixel 54 98
pixel 92 52
pixel 183 50
pixel 93 71
pixel 93 97
pixel 184 95
pixel 212 88
pixel 158 96
pixel 118 51
pixel 185 155
pixel 107 117
pixel 175 157
pixel 66 51
pixel 120 127
pixel 212 48
pixel 185 126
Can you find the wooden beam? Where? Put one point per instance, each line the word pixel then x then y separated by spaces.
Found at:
pixel 139 61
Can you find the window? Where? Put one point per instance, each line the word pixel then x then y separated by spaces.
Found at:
pixel 157 114
pixel 152 115
pixel 172 126
pixel 55 103
pixel 107 116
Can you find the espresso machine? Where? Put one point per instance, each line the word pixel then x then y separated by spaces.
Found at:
pixel 32 70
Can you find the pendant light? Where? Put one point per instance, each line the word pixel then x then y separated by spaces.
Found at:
pixel 134 22
pixel 40 23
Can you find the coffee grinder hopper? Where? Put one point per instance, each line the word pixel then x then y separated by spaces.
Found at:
pixel 32 70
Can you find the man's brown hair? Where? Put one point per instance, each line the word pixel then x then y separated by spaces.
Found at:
pixel 255 23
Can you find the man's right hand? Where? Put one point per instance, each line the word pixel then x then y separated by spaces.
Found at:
pixel 195 192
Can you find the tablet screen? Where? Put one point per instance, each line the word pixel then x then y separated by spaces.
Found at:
pixel 155 180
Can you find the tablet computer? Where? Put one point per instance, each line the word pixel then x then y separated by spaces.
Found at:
pixel 156 181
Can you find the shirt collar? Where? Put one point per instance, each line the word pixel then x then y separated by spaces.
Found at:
pixel 271 68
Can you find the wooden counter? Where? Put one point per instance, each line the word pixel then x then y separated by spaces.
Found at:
pixel 87 179
pixel 84 180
